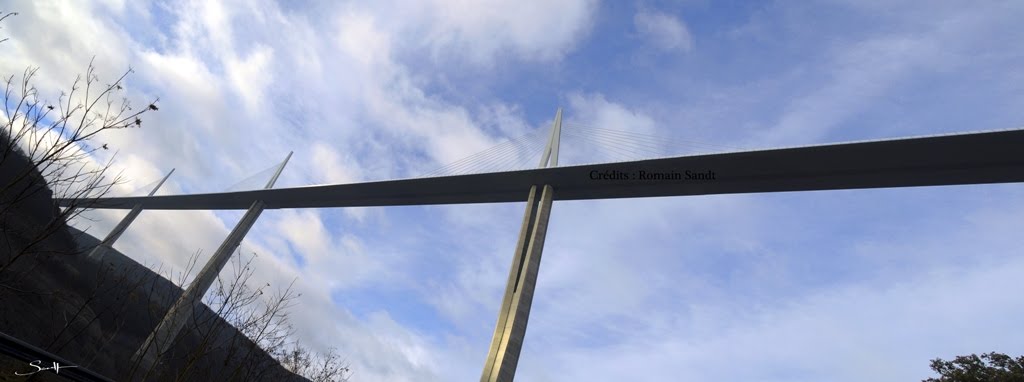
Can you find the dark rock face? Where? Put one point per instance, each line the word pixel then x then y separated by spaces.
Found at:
pixel 97 313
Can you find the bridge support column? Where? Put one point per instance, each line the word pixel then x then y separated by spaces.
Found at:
pixel 108 242
pixel 163 336
pixel 509 332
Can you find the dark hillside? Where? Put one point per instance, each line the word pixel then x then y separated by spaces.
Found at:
pixel 97 313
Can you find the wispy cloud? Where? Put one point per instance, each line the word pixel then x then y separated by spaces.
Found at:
pixel 660 288
pixel 663 31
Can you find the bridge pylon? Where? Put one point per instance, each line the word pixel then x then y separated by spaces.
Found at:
pixel 510 331
pixel 108 242
pixel 159 342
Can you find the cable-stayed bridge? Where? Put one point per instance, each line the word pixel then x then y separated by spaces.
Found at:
pixel 970 158
pixel 506 173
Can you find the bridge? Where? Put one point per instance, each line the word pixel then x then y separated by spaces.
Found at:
pixel 954 159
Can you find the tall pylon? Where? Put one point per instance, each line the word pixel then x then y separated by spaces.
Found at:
pixel 509 332
pixel 162 337
pixel 108 242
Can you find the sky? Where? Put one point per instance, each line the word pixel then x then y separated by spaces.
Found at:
pixel 849 285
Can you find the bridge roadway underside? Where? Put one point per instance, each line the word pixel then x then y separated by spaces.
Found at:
pixel 971 158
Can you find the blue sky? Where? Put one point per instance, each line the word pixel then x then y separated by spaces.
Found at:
pixel 835 285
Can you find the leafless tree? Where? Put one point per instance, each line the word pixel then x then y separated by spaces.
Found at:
pixel 47 152
pixel 329 367
pixel 48 149
pixel 242 331
pixel 4 16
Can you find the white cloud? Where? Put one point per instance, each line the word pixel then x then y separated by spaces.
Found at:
pixel 869 70
pixel 250 76
pixel 853 333
pixel 664 31
pixel 331 260
pixel 859 75
pixel 630 289
pixel 60 59
pixel 484 31
pixel 595 110
pixel 635 297
pixel 332 167
pixel 363 40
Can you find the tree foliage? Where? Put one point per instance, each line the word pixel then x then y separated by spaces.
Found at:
pixel 991 367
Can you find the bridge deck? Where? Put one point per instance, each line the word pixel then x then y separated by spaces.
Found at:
pixel 971 158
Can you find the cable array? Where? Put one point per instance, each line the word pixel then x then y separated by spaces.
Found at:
pixel 621 145
pixel 254 182
pixel 510 155
pixel 145 188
